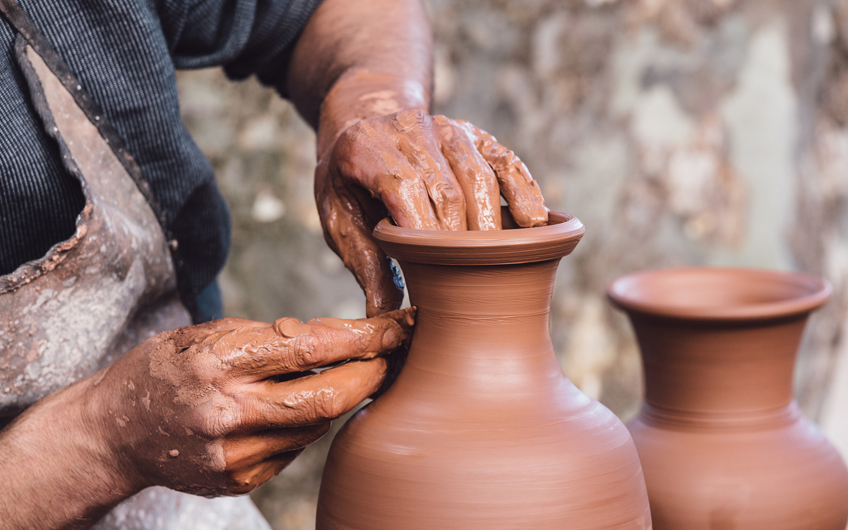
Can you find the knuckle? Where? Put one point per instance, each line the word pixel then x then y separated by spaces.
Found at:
pixel 416 114
pixel 410 118
pixel 329 404
pixel 307 350
pixel 216 421
pixel 407 182
pixel 442 120
pixel 453 195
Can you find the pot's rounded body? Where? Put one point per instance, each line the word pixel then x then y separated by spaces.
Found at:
pixel 575 469
pixel 722 442
pixel 482 430
pixel 780 478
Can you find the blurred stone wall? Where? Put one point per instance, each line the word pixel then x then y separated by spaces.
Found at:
pixel 681 132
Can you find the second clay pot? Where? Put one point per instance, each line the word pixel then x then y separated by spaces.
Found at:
pixel 722 442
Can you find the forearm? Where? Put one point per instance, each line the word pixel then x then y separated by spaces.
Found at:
pixel 56 470
pixel 373 57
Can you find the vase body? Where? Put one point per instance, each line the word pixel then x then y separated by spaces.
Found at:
pixel 482 430
pixel 722 442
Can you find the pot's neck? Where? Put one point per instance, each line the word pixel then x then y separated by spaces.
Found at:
pixel 718 372
pixel 482 328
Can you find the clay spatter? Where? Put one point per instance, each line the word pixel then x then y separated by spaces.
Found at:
pixel 722 442
pixel 482 429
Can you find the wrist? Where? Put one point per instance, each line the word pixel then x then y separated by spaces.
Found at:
pixel 90 428
pixel 361 94
pixel 108 432
pixel 55 454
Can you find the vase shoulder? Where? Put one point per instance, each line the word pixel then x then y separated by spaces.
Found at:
pixel 576 467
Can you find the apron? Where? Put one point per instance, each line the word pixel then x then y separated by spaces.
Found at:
pixel 98 294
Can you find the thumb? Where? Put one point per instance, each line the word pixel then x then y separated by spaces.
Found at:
pixel 349 235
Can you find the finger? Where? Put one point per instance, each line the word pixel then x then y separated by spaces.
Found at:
pixel 325 341
pixel 246 480
pixel 349 235
pixel 252 449
pixel 475 176
pixel 313 399
pixel 290 346
pixel 416 138
pixel 368 158
pixel 394 364
pixel 522 193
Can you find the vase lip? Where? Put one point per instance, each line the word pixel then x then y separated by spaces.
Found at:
pixel 497 247
pixel 719 293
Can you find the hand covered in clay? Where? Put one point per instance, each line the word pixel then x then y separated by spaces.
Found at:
pixel 222 407
pixel 427 172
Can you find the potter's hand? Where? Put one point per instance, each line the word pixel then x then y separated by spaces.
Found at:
pixel 428 172
pixel 214 409
pixel 220 408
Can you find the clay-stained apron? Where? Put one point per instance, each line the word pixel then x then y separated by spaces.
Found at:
pixel 101 292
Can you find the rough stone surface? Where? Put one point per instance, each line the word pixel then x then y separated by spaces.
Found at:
pixel 691 132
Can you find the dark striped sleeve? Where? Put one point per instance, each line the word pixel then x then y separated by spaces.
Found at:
pixel 247 37
pixel 39 201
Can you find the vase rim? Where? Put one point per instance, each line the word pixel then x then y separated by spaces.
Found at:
pixel 719 293
pixel 497 247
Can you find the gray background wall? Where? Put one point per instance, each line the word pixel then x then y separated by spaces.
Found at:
pixel 681 132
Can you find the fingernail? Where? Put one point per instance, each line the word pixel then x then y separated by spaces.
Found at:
pixel 410 316
pixel 391 338
pixel 289 327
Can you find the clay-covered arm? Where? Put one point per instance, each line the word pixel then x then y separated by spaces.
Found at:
pixel 361 74
pixel 213 409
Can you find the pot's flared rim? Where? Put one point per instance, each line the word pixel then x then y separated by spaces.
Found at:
pixel 496 247
pixel 719 294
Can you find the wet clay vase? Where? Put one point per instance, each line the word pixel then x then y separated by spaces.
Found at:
pixel 722 442
pixel 482 430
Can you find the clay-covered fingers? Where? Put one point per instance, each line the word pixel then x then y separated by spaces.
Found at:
pixel 292 346
pixel 347 231
pixel 366 155
pixel 253 351
pixel 251 449
pixel 473 173
pixel 243 481
pixel 521 192
pixel 398 160
pixel 314 399
pixel 416 138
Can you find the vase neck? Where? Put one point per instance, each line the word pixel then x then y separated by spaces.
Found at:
pixel 722 372
pixel 483 326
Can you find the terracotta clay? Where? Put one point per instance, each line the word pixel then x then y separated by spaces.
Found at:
pixel 427 172
pixel 482 430
pixel 721 439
